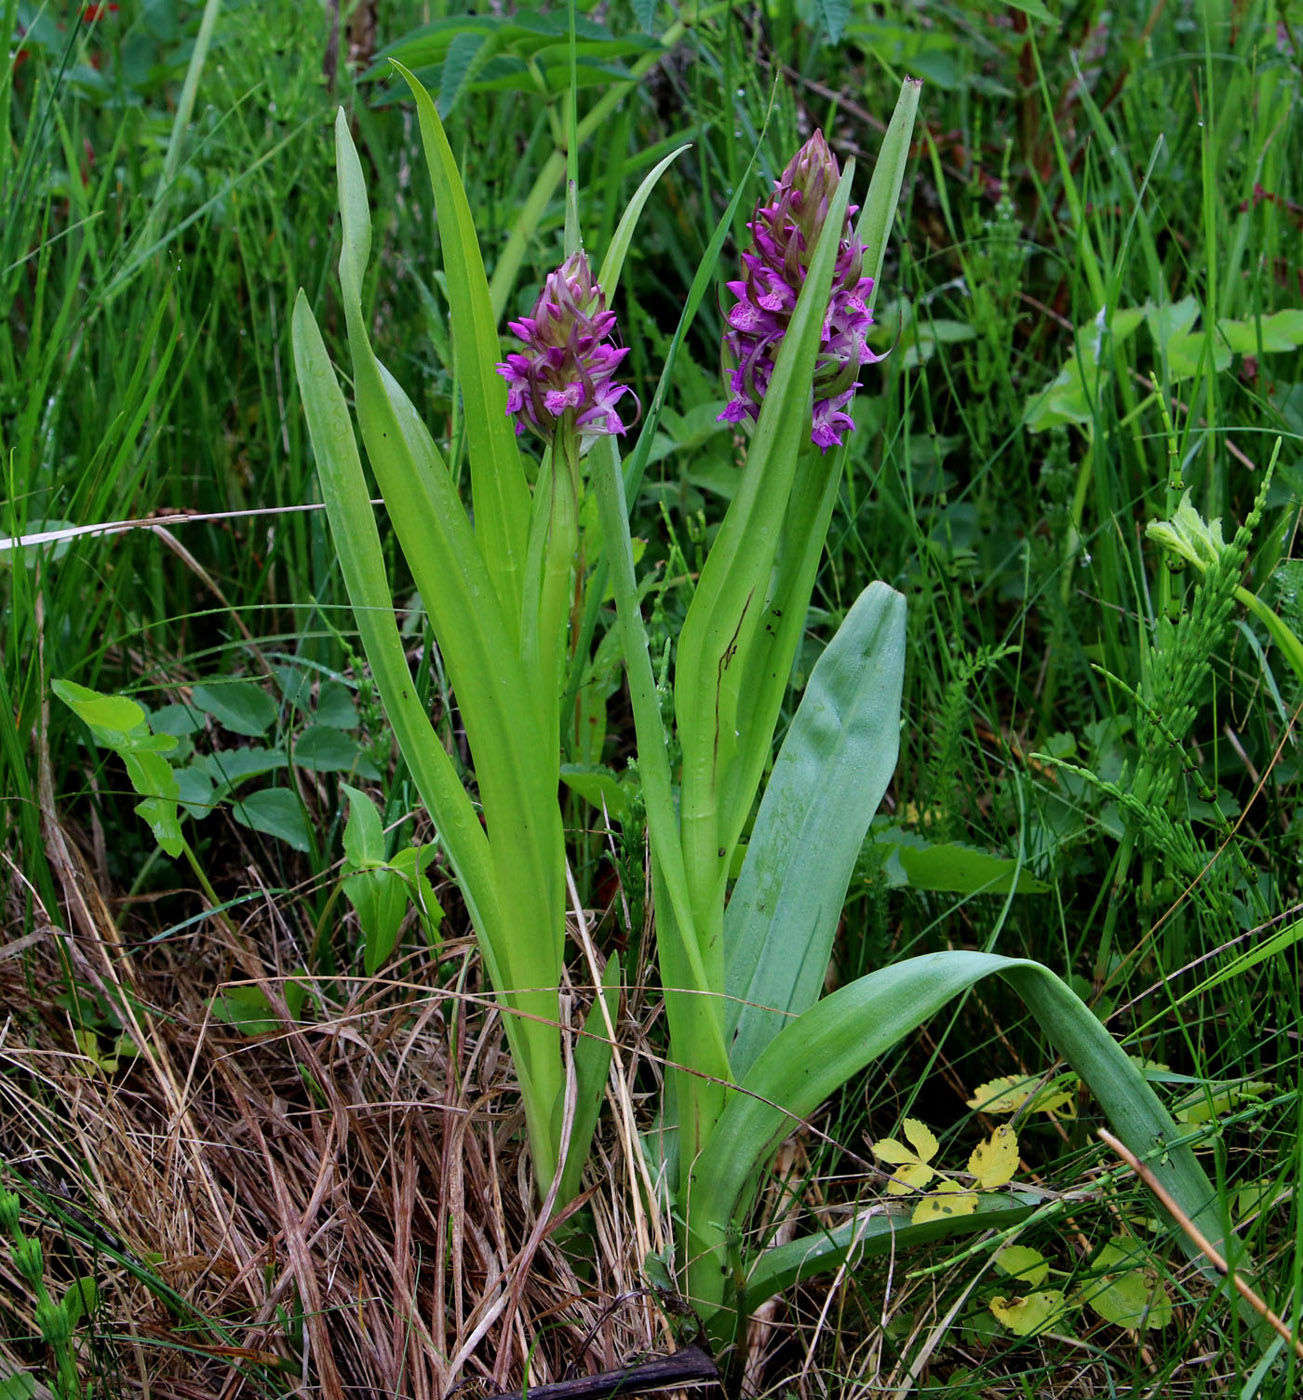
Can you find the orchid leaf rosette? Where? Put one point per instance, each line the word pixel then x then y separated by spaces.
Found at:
pixel 785 231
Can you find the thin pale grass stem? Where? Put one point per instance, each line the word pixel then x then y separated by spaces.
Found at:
pixel 1201 1240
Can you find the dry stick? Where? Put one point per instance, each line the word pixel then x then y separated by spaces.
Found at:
pixel 691 1366
pixel 1200 1239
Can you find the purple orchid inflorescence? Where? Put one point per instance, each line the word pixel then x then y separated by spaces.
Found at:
pixel 568 366
pixel 785 232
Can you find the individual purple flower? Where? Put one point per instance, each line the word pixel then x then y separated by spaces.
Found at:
pixel 568 366
pixel 785 232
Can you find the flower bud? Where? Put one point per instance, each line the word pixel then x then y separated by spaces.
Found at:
pixel 567 366
pixel 785 232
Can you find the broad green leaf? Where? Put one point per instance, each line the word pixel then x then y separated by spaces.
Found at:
pixel 381 898
pixel 229 767
pixel 335 706
pixel 164 822
pixel 467 52
pixel 277 812
pixel 882 1228
pixel 1124 1293
pixel 195 790
pixel 599 787
pixel 1030 1314
pixel 834 766
pixel 151 775
pixel 1033 9
pixel 323 749
pixel 242 707
pixel 364 836
pixel 178 720
pixel 834 14
pixel 245 1009
pixel 948 868
pixel 16 1385
pixel 1024 1264
pixel 81 1300
pixel 112 714
pixel 833 1041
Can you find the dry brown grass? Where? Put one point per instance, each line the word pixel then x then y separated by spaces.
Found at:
pixel 341 1205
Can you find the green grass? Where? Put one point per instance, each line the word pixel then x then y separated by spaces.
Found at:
pixel 1058 668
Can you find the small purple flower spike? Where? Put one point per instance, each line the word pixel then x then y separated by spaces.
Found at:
pixel 567 366
pixel 785 232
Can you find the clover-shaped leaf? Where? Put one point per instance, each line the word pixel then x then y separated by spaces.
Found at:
pixel 911 1171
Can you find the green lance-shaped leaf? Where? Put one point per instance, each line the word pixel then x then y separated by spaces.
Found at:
pixel 361 561
pixel 885 1227
pixel 833 1041
pixel 613 262
pixel 728 606
pixel 874 225
pixel 515 759
pixel 834 766
pixel 519 796
pixel 499 490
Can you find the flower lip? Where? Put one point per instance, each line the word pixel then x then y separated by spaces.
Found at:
pixel 568 365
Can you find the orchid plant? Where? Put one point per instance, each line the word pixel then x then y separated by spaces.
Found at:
pixel 754 1046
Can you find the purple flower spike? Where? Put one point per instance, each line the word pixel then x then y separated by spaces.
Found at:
pixel 567 366
pixel 785 232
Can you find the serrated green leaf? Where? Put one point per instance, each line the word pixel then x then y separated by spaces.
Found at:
pixel 834 14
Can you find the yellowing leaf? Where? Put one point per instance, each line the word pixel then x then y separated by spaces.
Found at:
pixel 1010 1092
pixel 925 1143
pixel 947 1201
pixel 994 1161
pixel 1026 1265
pixel 911 1171
pixel 1004 1095
pixel 1034 1313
